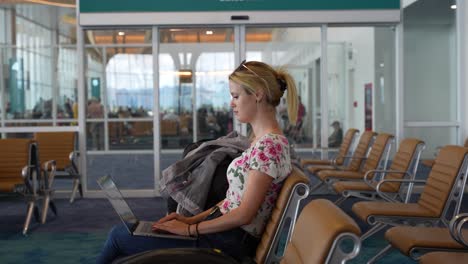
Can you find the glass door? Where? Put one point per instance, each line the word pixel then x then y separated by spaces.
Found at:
pixel 119 107
pixel 361 80
pixel 298 49
pixel 431 95
pixel 194 65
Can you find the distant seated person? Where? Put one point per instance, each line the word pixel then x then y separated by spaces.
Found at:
pixel 335 139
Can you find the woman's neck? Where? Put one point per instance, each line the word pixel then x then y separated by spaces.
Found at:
pixel 265 124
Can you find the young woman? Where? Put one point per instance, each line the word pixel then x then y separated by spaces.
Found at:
pixel 255 178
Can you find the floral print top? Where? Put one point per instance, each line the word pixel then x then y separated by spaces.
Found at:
pixel 270 155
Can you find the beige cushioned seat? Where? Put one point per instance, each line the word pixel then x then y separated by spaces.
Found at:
pixel 444 258
pixel 405 238
pixel 319 224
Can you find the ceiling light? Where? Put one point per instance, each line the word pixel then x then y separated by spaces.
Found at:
pixel 453 6
pixel 67 3
pixel 184 73
pixel 209 32
pixel 121 33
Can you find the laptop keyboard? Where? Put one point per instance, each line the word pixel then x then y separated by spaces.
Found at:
pixel 147 227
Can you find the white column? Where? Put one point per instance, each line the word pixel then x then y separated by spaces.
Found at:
pixel 80 54
pixel 156 124
pixel 324 90
pixel 399 94
pixel 462 45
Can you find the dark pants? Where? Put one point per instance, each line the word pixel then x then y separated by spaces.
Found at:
pixel 235 242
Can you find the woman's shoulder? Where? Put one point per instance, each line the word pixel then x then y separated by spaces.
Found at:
pixel 272 138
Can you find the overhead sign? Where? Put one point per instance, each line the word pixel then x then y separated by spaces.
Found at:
pixel 93 6
pixel 212 12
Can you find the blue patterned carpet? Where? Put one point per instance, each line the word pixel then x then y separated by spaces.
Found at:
pixel 41 247
pixel 78 232
pixel 76 235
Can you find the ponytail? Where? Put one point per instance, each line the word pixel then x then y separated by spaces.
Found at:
pixel 291 95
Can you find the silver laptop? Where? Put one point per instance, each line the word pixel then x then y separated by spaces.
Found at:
pixel 134 226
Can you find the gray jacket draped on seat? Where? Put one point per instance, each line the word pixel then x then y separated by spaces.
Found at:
pixel 188 180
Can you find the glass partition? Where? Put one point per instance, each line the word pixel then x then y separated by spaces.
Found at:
pixel 194 64
pixel 430 61
pixel 67 105
pixel 129 81
pixel 298 49
pixel 434 138
pixel 430 78
pixel 361 80
pixel 119 107
pixel 119 84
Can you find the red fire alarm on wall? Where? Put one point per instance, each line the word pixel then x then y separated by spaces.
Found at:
pixel 355 103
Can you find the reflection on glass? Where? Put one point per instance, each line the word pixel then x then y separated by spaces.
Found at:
pixel 433 137
pixel 430 64
pixel 120 85
pixel 385 80
pixel 129 85
pixel 361 83
pixel 213 97
pixel 67 107
pixel 194 65
pixel 130 135
pixel 95 74
pixel 34 69
pixel 297 48
pixel 95 135
pixel 337 75
pixel 28 91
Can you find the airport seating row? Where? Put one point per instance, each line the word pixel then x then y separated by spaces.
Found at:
pixel 390 206
pixel 28 168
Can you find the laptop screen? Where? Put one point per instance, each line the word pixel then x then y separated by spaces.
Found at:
pixel 115 197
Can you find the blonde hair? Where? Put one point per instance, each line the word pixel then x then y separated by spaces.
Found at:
pixel 254 75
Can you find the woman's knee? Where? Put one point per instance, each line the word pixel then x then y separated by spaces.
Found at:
pixel 118 233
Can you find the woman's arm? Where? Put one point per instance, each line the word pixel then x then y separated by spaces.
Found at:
pixel 188 220
pixel 257 186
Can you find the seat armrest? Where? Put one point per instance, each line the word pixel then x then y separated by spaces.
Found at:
pixel 368 180
pixel 74 154
pixel 383 181
pixel 456 228
pixel 29 182
pixel 50 167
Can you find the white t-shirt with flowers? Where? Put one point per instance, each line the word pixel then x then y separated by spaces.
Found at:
pixel 270 155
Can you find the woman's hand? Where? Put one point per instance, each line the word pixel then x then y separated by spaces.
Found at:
pixel 174 226
pixel 176 216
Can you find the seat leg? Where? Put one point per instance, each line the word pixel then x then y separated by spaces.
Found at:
pixel 376 228
pixel 340 200
pixel 53 207
pixel 379 255
pixel 80 188
pixel 37 215
pixel 28 217
pixel 45 207
pixel 76 183
pixel 316 186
